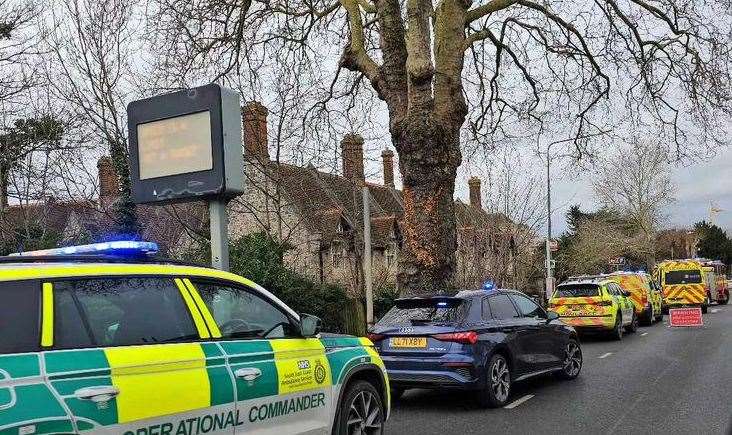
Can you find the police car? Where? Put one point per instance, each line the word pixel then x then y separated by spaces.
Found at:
pixel 106 338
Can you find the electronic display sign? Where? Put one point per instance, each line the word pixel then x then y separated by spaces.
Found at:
pixel 186 146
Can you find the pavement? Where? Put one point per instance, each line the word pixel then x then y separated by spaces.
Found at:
pixel 660 380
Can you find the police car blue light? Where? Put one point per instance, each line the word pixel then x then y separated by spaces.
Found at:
pixel 488 286
pixel 118 247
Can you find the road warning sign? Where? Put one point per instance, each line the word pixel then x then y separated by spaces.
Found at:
pixel 685 317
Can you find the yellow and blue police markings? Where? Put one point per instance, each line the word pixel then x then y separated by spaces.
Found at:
pixel 173 389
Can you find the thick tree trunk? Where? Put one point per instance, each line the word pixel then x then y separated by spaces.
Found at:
pixel 429 156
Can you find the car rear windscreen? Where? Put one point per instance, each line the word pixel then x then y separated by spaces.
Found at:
pixel 683 277
pixel 426 311
pixel 577 290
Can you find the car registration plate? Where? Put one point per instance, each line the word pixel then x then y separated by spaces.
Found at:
pixel 408 342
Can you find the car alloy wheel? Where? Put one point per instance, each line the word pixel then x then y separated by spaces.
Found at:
pixel 365 415
pixel 572 360
pixel 500 379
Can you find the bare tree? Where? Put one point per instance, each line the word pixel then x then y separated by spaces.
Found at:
pixel 600 239
pixel 17 48
pixel 91 45
pixel 636 183
pixel 436 65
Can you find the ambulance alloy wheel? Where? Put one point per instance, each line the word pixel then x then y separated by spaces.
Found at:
pixel 617 333
pixel 572 361
pixel 633 326
pixel 361 411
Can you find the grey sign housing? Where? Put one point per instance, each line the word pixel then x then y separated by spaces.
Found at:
pixel 186 146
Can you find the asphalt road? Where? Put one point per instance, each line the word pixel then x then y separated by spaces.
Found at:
pixel 660 380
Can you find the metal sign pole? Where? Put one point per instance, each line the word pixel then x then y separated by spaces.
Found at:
pixel 219 234
pixel 367 256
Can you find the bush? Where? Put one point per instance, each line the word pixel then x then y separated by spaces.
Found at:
pixel 260 258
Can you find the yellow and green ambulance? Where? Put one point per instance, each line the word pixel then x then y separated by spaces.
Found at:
pixel 645 296
pixel 594 304
pixel 682 284
pixel 131 345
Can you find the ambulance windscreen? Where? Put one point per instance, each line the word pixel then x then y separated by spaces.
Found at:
pixel 577 290
pixel 683 277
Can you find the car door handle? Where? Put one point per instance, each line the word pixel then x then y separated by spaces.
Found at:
pixel 249 374
pixel 102 393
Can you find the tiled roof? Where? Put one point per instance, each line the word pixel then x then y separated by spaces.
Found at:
pixel 74 219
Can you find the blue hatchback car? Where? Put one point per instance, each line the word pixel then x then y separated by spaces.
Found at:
pixel 481 341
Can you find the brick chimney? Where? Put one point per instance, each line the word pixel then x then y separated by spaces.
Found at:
pixel 108 181
pixel 387 158
pixel 475 197
pixel 254 119
pixel 352 152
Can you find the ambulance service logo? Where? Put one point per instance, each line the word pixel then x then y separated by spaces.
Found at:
pixel 319 372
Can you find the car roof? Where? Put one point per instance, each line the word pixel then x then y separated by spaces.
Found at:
pixel 30 271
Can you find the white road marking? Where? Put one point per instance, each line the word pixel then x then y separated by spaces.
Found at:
pixel 604 355
pixel 714 310
pixel 517 402
pixel 644 334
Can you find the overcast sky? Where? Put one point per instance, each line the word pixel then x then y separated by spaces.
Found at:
pixel 696 186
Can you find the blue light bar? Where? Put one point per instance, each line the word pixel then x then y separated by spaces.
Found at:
pixel 488 286
pixel 118 248
pixel 442 304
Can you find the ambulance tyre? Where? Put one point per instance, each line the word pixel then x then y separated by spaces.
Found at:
pixel 617 333
pixel 361 410
pixel 704 308
pixel 633 325
pixel 723 301
pixel 647 317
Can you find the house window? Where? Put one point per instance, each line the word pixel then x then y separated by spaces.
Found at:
pixel 337 254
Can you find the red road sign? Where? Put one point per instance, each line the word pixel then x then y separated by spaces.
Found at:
pixel 685 317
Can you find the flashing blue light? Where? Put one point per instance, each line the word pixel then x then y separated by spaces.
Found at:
pixel 442 304
pixel 119 248
pixel 489 286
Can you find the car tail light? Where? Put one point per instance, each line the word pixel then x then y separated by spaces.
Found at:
pixel 469 337
pixel 375 337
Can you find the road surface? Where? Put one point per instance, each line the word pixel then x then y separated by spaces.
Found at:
pixel 659 380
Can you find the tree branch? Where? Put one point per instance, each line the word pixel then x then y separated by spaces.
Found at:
pixel 488 8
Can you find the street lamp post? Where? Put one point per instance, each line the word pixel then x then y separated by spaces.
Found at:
pixel 548 265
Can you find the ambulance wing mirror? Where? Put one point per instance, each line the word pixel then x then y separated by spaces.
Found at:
pixel 309 325
pixel 551 315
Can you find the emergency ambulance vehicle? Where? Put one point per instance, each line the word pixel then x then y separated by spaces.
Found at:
pixel 106 338
pixel 716 281
pixel 682 284
pixel 645 296
pixel 594 303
